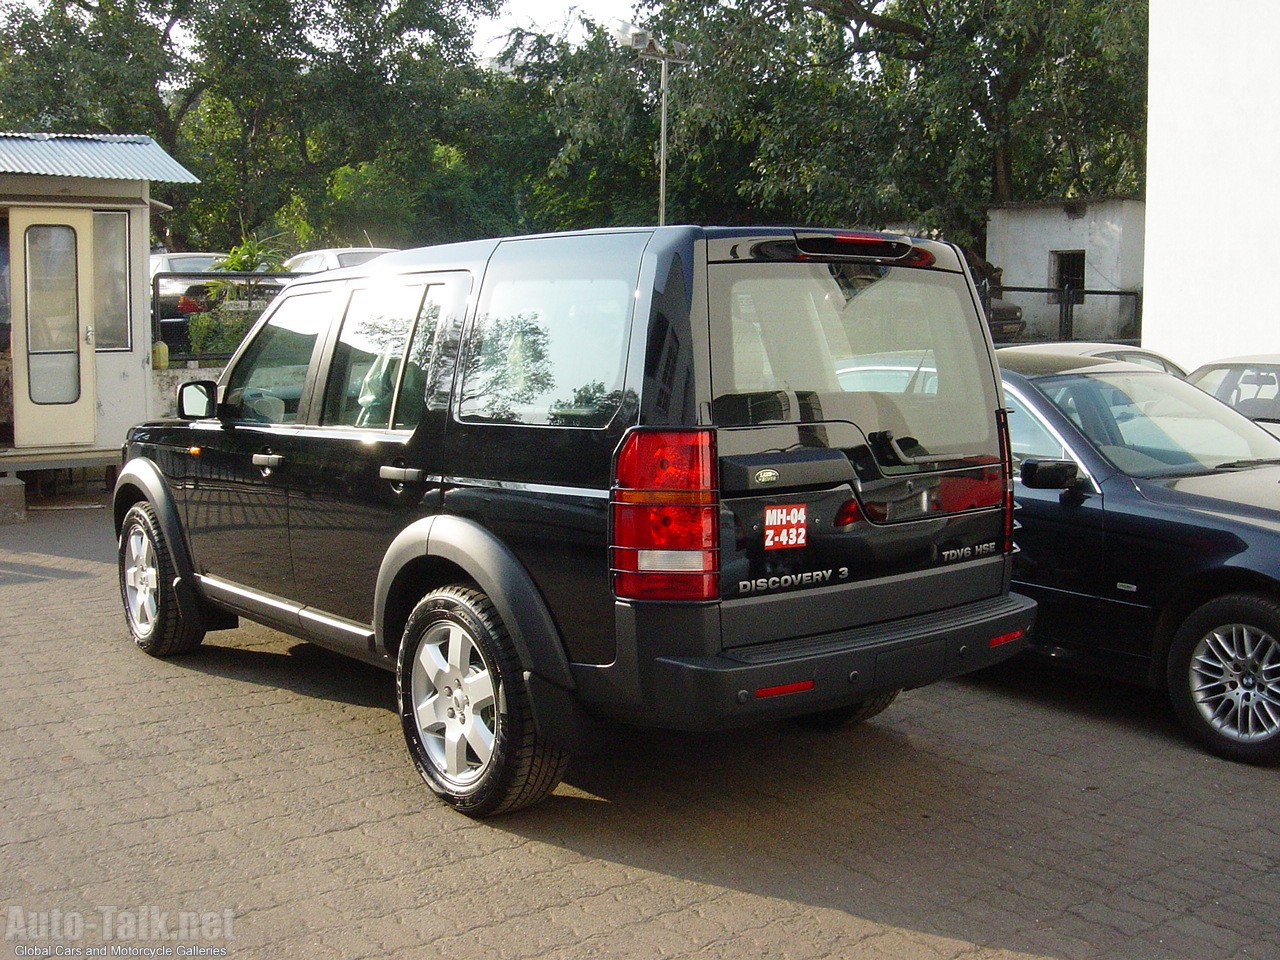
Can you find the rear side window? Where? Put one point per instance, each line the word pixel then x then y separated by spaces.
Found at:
pixel 548 345
pixel 898 352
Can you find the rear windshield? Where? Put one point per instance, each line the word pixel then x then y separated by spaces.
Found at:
pixel 898 352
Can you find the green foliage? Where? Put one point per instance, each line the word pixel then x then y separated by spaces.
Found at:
pixel 356 122
pixel 218 330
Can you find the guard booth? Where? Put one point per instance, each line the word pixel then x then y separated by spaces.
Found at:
pixel 75 327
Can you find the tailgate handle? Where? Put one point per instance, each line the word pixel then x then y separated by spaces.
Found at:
pixel 268 460
pixel 815 466
pixel 400 474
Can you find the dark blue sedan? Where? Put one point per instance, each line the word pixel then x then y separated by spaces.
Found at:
pixel 1149 532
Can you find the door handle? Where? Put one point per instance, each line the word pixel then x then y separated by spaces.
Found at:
pixel 400 474
pixel 268 460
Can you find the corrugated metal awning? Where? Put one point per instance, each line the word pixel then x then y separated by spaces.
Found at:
pixel 104 156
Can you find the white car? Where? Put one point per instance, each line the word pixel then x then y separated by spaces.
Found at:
pixel 1108 351
pixel 314 261
pixel 1251 384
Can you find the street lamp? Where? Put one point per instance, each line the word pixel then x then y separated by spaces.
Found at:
pixel 632 37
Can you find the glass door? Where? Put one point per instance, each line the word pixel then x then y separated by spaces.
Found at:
pixel 51 268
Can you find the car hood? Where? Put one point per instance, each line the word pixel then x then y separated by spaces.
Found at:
pixel 1251 495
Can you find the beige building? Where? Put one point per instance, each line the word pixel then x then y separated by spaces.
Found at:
pixel 75 318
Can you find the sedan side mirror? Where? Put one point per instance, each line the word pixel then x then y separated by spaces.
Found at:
pixel 1050 474
pixel 198 400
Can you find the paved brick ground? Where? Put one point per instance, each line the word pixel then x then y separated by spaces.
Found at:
pixel 262 785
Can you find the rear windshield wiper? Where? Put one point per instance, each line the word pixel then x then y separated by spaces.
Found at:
pixel 1246 464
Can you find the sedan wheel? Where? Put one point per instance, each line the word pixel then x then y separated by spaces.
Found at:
pixel 1224 675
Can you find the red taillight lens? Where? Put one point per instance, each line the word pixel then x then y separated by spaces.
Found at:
pixel 665 515
pixel 189 305
pixel 848 513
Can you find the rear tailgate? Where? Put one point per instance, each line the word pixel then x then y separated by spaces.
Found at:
pixel 860 466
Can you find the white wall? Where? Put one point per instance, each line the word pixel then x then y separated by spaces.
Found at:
pixel 1213 190
pixel 1022 237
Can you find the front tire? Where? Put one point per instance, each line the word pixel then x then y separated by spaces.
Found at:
pixel 1224 677
pixel 464 708
pixel 147 574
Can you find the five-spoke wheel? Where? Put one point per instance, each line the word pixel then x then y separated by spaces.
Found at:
pixel 464 708
pixel 147 576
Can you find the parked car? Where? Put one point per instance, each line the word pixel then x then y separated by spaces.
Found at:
pixel 1150 537
pixel 176 298
pixel 1004 320
pixel 604 475
pixel 1250 384
pixel 314 261
pixel 1108 351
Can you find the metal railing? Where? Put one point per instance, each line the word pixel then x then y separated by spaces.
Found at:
pixel 234 298
pixel 1065 305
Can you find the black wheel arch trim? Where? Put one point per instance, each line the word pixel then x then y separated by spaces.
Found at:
pixel 497 572
pixel 144 477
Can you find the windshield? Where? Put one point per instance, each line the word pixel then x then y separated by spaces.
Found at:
pixel 1152 424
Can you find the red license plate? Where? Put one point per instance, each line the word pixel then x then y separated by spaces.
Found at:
pixel 786 526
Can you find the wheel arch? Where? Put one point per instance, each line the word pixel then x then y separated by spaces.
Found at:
pixel 440 550
pixel 1193 594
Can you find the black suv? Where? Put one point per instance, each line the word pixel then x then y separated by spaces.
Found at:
pixel 681 477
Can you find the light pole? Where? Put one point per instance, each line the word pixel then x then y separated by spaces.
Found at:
pixel 632 37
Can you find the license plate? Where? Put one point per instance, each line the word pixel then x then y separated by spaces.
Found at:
pixel 786 526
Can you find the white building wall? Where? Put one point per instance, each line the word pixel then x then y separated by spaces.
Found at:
pixel 1213 193
pixel 1021 240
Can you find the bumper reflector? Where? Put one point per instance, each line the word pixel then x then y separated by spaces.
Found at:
pixel 784 688
pixel 1005 638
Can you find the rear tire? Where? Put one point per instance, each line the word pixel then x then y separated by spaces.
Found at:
pixel 146 587
pixel 1224 677
pixel 465 711
pixel 845 716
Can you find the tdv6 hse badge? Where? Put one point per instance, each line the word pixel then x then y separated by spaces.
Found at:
pixel 969 553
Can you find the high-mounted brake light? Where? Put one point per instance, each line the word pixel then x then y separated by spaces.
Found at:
pixel 665 517
pixel 880 247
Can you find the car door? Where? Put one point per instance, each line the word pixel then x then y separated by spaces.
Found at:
pixel 1060 533
pixel 369 464
pixel 241 463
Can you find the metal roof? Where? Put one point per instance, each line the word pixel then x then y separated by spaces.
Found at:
pixel 104 156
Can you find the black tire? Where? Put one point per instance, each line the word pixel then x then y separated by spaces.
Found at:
pixel 147 573
pixel 465 710
pixel 844 716
pixel 1224 677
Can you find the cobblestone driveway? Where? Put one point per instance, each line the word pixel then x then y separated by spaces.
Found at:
pixel 255 800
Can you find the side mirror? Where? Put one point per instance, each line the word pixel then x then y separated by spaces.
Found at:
pixel 1049 474
pixel 197 400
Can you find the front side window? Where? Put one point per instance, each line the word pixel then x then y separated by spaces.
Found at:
pixel 898 352
pixel 1029 437
pixel 548 345
pixel 267 382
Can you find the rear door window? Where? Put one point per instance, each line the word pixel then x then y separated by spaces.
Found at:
pixel 898 352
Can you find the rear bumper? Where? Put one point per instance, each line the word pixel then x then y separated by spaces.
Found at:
pixel 830 670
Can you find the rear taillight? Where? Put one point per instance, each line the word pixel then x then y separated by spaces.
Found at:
pixel 1006 465
pixel 665 517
